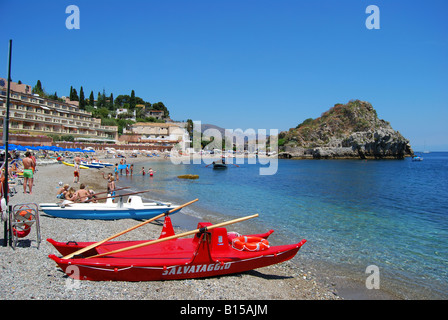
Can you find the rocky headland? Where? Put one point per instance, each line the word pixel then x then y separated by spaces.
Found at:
pixel 351 130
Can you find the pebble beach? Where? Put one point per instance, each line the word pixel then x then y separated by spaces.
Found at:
pixel 27 272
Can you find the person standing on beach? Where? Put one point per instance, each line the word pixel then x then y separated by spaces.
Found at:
pixel 111 188
pixel 28 177
pixel 116 172
pixel 121 166
pixel 34 162
pixel 76 173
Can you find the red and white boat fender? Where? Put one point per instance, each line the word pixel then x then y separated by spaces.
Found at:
pixel 26 227
pixel 250 243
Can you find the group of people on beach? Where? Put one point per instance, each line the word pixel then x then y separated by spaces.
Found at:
pixel 82 195
pixel 129 169
pixel 150 172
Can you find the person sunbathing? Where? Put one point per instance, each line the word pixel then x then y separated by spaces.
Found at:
pixel 62 192
pixel 70 194
pixel 82 195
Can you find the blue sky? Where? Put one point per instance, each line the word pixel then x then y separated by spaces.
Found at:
pixel 243 63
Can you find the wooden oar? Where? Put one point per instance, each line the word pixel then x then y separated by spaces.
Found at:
pixel 96 244
pixel 96 193
pixel 222 224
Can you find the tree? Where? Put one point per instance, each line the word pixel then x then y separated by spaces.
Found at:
pixel 54 96
pixel 74 95
pixel 99 101
pixel 82 102
pixel 132 102
pixel 71 94
pixel 122 99
pixel 161 106
pixel 91 99
pixel 111 102
pixel 38 89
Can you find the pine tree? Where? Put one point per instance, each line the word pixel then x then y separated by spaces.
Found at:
pixel 75 96
pixel 82 102
pixel 132 101
pixel 111 102
pixel 71 94
pixel 38 88
pixel 92 99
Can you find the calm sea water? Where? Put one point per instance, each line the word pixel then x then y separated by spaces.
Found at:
pixel 388 213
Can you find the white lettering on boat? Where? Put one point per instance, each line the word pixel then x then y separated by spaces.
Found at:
pixel 200 268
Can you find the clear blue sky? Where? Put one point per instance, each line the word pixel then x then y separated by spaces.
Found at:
pixel 243 63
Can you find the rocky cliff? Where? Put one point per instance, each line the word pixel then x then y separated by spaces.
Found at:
pixel 351 130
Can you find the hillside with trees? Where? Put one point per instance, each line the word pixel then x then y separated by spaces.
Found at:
pixel 106 107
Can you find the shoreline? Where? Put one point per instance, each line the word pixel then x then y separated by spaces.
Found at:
pixel 28 273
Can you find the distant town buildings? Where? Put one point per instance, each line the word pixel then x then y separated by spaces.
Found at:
pixel 157 134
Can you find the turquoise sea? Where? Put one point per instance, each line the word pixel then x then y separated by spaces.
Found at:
pixel 389 213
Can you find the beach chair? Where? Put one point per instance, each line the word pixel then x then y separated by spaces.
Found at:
pixel 21 218
pixel 12 186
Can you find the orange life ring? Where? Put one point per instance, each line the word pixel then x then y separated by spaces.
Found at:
pixel 26 229
pixel 250 243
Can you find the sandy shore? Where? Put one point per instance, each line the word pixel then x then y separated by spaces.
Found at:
pixel 28 273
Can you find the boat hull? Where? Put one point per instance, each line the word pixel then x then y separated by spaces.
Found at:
pixel 101 211
pixel 104 214
pixel 104 164
pixel 206 255
pixel 92 165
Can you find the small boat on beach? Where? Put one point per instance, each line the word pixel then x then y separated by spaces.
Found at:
pixel 211 252
pixel 134 208
pixel 72 165
pixel 105 164
pixel 92 165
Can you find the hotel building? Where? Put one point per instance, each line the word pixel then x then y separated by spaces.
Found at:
pixel 30 113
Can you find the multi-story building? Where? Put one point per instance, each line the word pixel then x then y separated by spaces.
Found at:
pixel 31 113
pixel 158 134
